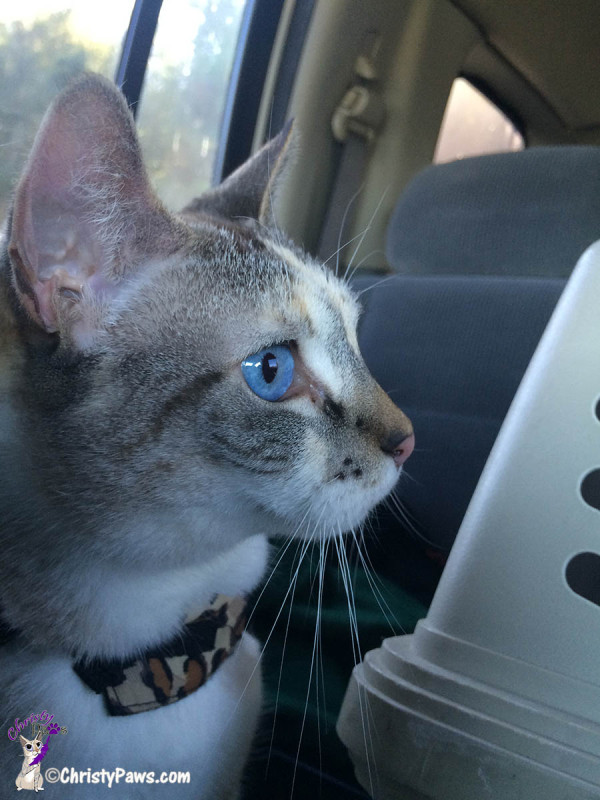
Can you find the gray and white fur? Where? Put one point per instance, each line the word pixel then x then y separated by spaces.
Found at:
pixel 140 475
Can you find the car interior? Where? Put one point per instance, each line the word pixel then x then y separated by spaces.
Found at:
pixel 475 251
pixel 447 164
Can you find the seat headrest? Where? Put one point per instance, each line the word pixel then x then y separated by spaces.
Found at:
pixel 531 213
pixel 451 352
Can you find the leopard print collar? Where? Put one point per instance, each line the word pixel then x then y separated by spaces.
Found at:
pixel 169 672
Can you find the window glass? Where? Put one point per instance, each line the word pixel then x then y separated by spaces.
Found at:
pixel 44 44
pixel 184 94
pixel 473 126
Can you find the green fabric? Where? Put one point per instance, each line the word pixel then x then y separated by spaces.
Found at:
pixel 315 741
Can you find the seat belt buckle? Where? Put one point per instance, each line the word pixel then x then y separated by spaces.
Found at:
pixel 360 111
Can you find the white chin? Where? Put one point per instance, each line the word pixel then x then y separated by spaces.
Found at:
pixel 344 506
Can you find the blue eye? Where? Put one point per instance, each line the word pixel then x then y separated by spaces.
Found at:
pixel 269 372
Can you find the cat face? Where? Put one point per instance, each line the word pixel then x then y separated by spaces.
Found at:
pixel 197 366
pixel 31 747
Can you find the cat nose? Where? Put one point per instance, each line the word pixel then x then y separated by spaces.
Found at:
pixel 399 445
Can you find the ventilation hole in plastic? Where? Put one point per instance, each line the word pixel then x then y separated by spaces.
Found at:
pixel 597 409
pixel 590 488
pixel 583 576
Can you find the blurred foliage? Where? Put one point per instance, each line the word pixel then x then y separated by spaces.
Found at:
pixel 181 107
pixel 36 62
pixel 181 110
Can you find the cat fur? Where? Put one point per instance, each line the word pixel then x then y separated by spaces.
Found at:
pixel 140 474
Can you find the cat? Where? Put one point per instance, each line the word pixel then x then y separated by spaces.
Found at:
pixel 30 777
pixel 174 389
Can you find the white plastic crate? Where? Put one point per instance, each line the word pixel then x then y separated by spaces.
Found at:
pixel 497 693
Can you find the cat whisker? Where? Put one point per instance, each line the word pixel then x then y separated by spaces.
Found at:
pixel 364 233
pixel 285 547
pixel 377 592
pixel 340 248
pixel 314 665
pixel 402 510
pixel 343 225
pixel 310 542
pixel 365 552
pixel 293 583
pixel 305 546
pixel 345 572
pixel 325 544
pixel 403 516
pixel 376 284
pixel 356 650
pixel 406 476
pixel 362 261
pixel 399 513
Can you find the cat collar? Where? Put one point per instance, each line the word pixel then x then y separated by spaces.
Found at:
pixel 169 672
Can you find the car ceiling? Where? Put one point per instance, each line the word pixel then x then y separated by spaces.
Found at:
pixel 553 45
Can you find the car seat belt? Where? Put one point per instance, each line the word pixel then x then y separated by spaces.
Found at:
pixel 355 123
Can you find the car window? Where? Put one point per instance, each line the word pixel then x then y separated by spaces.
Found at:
pixel 183 98
pixel 473 125
pixel 44 44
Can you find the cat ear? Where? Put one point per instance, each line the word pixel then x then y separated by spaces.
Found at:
pixel 23 740
pixel 250 190
pixel 84 216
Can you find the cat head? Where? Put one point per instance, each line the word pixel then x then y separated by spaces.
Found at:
pixel 196 366
pixel 31 747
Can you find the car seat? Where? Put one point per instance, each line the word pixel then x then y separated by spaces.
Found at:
pixel 488 243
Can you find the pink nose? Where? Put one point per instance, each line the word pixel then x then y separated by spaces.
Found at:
pixel 403 450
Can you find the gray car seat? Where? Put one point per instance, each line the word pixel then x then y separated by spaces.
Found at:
pixel 451 350
pixel 496 691
pixel 482 248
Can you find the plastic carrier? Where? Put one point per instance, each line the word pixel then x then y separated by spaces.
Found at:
pixel 497 692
